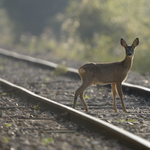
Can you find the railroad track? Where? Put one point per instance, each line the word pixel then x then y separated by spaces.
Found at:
pixel 61 89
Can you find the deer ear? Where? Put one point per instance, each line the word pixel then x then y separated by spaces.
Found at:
pixel 135 42
pixel 123 43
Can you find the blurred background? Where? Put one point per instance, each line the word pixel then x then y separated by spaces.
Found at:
pixel 82 30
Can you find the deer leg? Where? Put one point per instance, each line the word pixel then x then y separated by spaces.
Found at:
pixel 75 100
pixel 83 100
pixel 113 87
pixel 80 92
pixel 119 89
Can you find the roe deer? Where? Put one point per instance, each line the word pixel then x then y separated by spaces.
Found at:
pixel 109 73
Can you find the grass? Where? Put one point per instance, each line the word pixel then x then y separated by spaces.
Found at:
pixel 6 140
pixel 8 125
pixel 86 97
pixel 60 70
pixel 47 79
pixel 43 85
pixel 125 120
pixel 100 89
pixel 47 140
pixel 3 94
pixel 36 107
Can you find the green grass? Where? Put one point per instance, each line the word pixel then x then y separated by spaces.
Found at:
pixel 47 140
pixel 4 94
pixel 100 89
pixel 86 97
pixel 36 107
pixel 8 125
pixel 129 120
pixel 6 140
pixel 60 70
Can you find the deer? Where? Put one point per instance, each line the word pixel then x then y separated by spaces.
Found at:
pixel 107 73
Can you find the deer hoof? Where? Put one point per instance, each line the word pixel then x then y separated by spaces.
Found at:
pixel 125 111
pixel 86 109
pixel 115 110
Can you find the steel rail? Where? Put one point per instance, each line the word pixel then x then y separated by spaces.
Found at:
pixel 130 88
pixel 83 119
pixel 43 63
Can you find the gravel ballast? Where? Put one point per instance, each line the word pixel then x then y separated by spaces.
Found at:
pixel 53 85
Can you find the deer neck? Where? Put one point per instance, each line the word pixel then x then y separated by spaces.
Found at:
pixel 127 62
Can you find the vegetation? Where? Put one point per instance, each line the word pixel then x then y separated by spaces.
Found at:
pixel 86 96
pixel 90 28
pixel 6 140
pixel 8 125
pixel 47 140
pixel 60 70
pixel 36 107
pixel 127 120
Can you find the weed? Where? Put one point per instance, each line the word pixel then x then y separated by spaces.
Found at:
pixel 47 79
pixel 6 139
pixel 100 89
pixel 43 85
pixel 8 125
pixel 86 96
pixel 127 120
pixel 121 120
pixel 60 70
pixel 36 107
pixel 77 103
pixel 47 140
pixel 3 94
pixel 132 120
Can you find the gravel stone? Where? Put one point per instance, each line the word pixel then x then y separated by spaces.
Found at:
pixel 34 134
